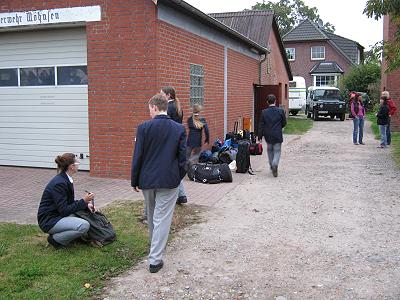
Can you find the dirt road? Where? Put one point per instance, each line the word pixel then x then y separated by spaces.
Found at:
pixel 327 228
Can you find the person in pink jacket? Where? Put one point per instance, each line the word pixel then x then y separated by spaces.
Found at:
pixel 358 112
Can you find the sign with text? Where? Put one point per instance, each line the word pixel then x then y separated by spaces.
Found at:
pixel 51 16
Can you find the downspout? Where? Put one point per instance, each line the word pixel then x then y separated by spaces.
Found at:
pixel 260 67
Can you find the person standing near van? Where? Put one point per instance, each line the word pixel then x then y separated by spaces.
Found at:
pixel 176 114
pixel 392 111
pixel 158 166
pixel 272 121
pixel 196 125
pixel 358 113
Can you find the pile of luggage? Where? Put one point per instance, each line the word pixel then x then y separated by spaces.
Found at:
pixel 215 165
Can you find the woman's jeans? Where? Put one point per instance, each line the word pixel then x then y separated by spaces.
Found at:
pixel 382 130
pixel 358 131
pixel 68 229
pixel 388 134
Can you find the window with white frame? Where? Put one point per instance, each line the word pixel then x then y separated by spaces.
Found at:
pixel 196 84
pixel 318 52
pixel 291 53
pixel 325 80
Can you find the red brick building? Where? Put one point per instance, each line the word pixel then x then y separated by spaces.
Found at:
pixel 319 56
pixel 76 76
pixel 391 81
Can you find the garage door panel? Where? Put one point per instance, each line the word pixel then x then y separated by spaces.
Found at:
pixel 49 131
pixel 21 109
pixel 7 148
pixel 43 142
pixel 38 123
pixel 38 162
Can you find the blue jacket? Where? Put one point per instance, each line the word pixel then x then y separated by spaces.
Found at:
pixel 58 202
pixel 159 159
pixel 195 134
pixel 271 122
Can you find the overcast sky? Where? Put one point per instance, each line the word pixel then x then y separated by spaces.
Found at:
pixel 346 15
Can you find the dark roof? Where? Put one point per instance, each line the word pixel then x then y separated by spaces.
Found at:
pixel 305 31
pixel 309 31
pixel 326 67
pixel 257 26
pixel 205 19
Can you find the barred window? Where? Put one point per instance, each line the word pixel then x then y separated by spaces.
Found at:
pixel 317 53
pixel 196 84
pixel 291 54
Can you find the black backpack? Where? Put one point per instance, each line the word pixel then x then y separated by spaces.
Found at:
pixel 243 157
pixel 101 231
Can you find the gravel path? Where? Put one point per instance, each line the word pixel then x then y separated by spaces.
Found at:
pixel 326 228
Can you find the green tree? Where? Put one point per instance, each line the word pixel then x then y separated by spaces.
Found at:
pixel 378 8
pixel 289 13
pixel 363 78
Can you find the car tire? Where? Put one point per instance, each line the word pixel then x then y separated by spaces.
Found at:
pixel 294 112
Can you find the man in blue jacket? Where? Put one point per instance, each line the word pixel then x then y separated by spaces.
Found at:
pixel 271 123
pixel 158 166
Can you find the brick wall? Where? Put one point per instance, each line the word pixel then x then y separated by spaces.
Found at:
pixel 303 63
pixel 391 81
pixel 242 74
pixel 179 48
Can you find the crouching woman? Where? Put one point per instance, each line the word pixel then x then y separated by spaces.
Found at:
pixel 57 206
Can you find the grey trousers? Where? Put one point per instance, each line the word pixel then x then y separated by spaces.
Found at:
pixel 160 209
pixel 274 154
pixel 68 229
pixel 181 190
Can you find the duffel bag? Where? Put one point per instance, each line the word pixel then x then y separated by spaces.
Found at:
pixel 209 173
pixel 256 149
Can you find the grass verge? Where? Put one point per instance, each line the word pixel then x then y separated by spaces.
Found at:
pixel 297 125
pixel 31 269
pixel 395 145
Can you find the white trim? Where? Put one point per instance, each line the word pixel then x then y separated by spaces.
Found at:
pixel 311 52
pixel 294 54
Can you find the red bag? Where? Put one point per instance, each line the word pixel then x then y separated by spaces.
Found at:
pixel 256 149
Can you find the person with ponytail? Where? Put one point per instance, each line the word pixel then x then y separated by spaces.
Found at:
pixel 57 206
pixel 174 105
pixel 175 112
pixel 196 124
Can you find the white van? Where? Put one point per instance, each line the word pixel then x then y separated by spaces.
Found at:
pixel 297 94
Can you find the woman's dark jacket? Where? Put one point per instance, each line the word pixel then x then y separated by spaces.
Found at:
pixel 383 115
pixel 58 202
pixel 172 112
pixel 195 134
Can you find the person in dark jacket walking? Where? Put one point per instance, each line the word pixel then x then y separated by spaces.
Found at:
pixel 383 120
pixel 196 125
pixel 57 206
pixel 271 123
pixel 176 114
pixel 392 111
pixel 158 166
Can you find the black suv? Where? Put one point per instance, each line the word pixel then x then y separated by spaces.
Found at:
pixel 325 101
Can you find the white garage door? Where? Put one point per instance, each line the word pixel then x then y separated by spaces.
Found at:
pixel 43 97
